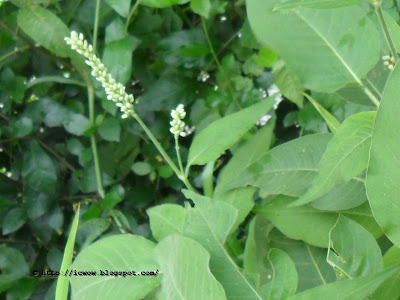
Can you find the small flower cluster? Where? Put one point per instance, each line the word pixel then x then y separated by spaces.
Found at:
pixel 389 62
pixel 115 91
pixel 177 125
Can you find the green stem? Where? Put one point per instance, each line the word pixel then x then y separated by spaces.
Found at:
pixel 379 13
pixel 15 51
pixel 369 94
pixel 128 21
pixel 93 140
pixel 57 79
pixel 214 54
pixel 96 24
pixel 164 154
pixel 178 154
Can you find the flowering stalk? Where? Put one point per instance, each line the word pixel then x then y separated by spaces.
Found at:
pixel 116 93
pixel 177 129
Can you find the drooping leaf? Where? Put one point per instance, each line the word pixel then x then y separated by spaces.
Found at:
pixel 356 252
pixel 348 289
pixel 315 4
pixel 13 267
pixel 62 281
pixel 209 223
pixel 181 258
pixel 166 219
pixel 76 124
pixel 283 281
pixel 390 289
pixel 116 253
pixel 310 261
pixel 212 141
pixel 162 3
pixel 327 49
pixel 201 7
pixel 309 224
pixel 14 220
pixel 45 28
pixel 120 6
pixel 383 172
pixel 288 83
pixel 345 157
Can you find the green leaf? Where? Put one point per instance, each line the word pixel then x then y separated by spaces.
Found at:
pixel 383 172
pixel 348 289
pixel 330 120
pixel 251 151
pixel 110 130
pixel 141 168
pixel 45 28
pixel 356 252
pixel 75 124
pixel 288 83
pixel 38 170
pixel 201 7
pixel 22 127
pixel 120 6
pixel 209 223
pixel 116 253
pixel 325 41
pixel 307 223
pixel 113 197
pixel 212 141
pixel 91 230
pixel 345 157
pixel 37 204
pixel 310 261
pixel 117 57
pixel 390 289
pixel 181 258
pixel 62 281
pixel 162 3
pixel 13 267
pixel 315 4
pixel 283 281
pixel 394 30
pixel 14 220
pixel 166 219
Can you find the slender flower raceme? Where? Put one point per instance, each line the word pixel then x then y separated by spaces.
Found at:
pixel 115 91
pixel 177 125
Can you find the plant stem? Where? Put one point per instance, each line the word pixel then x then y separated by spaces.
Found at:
pixel 128 21
pixel 178 154
pixel 15 51
pixel 93 140
pixel 164 154
pixel 369 94
pixel 379 13
pixel 214 54
pixel 96 24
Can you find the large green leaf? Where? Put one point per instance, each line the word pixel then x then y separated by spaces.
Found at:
pixel 247 154
pixel 390 289
pixel 283 280
pixel 13 267
pixel 356 252
pixel 310 261
pixel 116 253
pixel 348 289
pixel 309 224
pixel 213 140
pixel 209 223
pixel 166 219
pixel 45 28
pixel 315 4
pixel 162 3
pixel 345 157
pixel 186 274
pixel 327 49
pixel 383 174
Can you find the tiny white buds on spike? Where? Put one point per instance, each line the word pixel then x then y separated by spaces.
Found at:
pixel 177 125
pixel 115 91
pixel 389 62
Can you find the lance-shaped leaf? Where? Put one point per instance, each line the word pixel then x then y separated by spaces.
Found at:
pixel 186 274
pixel 345 157
pixel 213 140
pixel 356 252
pixel 309 224
pixel 348 289
pixel 209 223
pixel 383 174
pixel 326 48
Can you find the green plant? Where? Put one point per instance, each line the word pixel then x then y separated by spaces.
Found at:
pixel 286 190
